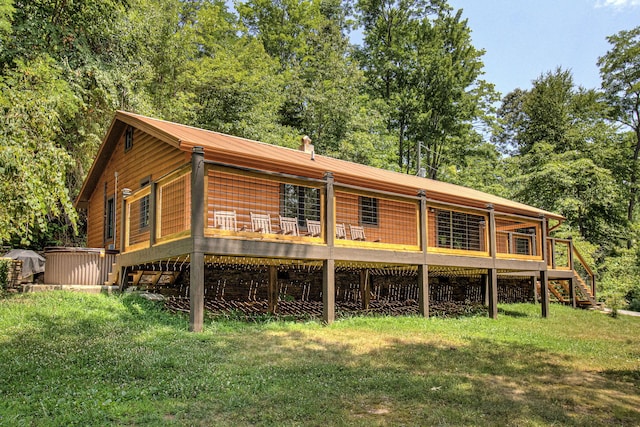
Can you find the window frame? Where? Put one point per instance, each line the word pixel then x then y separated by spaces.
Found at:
pixel 109 218
pixel 301 195
pixel 145 207
pixel 369 210
pixel 128 138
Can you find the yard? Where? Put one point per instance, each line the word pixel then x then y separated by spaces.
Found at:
pixel 76 359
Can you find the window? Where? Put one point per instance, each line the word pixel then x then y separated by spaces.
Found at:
pixel 109 213
pixel 522 245
pixel 459 230
pixel 144 205
pixel 368 210
pixel 300 202
pixel 128 139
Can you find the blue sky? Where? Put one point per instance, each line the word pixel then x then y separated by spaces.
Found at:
pixel 525 38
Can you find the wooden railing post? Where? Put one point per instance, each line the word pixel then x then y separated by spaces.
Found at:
pixel 153 214
pixel 423 269
pixel 124 233
pixel 196 274
pixel 544 278
pixel 328 265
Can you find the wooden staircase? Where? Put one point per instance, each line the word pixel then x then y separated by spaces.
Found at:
pixel 142 279
pixel 560 289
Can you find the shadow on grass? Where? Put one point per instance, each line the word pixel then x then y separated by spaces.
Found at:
pixel 511 313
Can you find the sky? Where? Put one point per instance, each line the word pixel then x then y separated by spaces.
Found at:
pixel 526 38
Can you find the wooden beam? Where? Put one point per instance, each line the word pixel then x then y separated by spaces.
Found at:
pixel 572 292
pixel 423 289
pixel 124 219
pixel 153 223
pixel 196 275
pixel 492 275
pixel 328 291
pixel 329 210
pixel 544 293
pixel 484 282
pixel 365 288
pixel 544 276
pixel 196 292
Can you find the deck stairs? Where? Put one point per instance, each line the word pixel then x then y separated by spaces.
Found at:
pixel 143 279
pixel 561 291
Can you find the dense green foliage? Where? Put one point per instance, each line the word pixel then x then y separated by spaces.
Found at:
pixel 77 359
pixel 409 96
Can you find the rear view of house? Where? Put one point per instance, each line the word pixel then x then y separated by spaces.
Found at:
pixel 245 221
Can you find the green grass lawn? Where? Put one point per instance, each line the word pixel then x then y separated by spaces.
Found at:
pixel 75 359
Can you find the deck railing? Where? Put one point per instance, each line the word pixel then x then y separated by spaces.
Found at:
pixel 518 237
pixel 250 204
pixel 559 251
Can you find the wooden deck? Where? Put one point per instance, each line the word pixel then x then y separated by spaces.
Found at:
pixel 206 214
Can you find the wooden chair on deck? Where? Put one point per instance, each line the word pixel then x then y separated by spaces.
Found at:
pixel 289 226
pixel 314 228
pixel 260 223
pixel 225 220
pixel 341 233
pixel 357 232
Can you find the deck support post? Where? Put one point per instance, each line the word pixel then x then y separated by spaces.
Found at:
pixel 328 291
pixel 484 284
pixel 196 270
pixel 423 290
pixel 329 264
pixel 365 289
pixel 423 269
pixel 572 292
pixel 544 293
pixel 492 279
pixel 534 286
pixel 544 276
pixel 272 294
pixel 492 273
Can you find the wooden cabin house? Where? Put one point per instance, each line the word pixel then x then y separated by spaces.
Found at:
pixel 290 225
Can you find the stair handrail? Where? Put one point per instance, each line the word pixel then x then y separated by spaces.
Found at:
pixel 586 267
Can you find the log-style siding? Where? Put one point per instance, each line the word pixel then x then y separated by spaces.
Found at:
pixel 148 157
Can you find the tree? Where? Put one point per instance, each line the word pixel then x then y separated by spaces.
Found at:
pixel 418 58
pixel 35 100
pixel 620 73
pixel 565 154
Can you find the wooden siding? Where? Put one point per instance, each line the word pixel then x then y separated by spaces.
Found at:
pixel 397 221
pixel 148 157
pixel 243 194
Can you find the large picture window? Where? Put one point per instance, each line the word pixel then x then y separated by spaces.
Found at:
pixel 459 230
pixel 300 202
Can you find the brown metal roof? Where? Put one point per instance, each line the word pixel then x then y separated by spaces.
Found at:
pixel 253 154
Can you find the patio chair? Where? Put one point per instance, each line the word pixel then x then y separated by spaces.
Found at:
pixel 357 232
pixel 260 223
pixel 225 220
pixel 314 228
pixel 340 231
pixel 289 226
